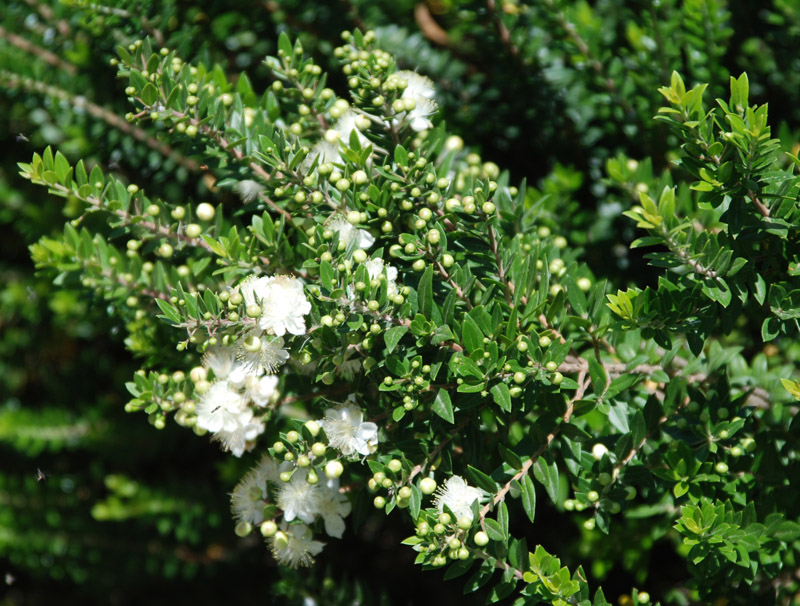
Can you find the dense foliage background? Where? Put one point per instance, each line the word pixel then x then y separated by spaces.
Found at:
pixel 94 505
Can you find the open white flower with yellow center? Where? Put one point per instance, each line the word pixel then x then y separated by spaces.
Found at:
pixel 295 546
pixel 348 432
pixel 259 353
pixel 283 303
pixel 298 499
pixel 458 496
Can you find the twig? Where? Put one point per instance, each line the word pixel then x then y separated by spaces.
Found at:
pixel 45 55
pixel 583 383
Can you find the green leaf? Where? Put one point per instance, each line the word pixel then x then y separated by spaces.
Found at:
pixel 393 335
pixel 149 94
pixel 285 46
pixel 400 156
pixel 502 396
pixel 547 473
pixel 425 292
pixel 528 497
pixel 170 312
pixel 443 406
pixel 471 334
pixel 494 530
pixel 481 480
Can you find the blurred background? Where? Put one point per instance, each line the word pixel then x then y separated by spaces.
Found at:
pixel 96 506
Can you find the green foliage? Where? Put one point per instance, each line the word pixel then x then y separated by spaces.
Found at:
pixel 461 321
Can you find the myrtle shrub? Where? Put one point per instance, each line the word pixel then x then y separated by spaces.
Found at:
pixel 355 312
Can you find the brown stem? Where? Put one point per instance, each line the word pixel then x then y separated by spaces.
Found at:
pixel 37 51
pixel 583 383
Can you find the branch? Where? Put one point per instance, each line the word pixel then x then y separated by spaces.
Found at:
pixel 45 55
pixel 583 383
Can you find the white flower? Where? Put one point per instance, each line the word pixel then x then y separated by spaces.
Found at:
pixel 375 270
pixel 261 390
pixel 240 439
pixel 458 496
pixel 220 360
pixel 222 408
pixel 418 117
pixel 391 280
pixel 298 499
pixel 267 470
pixel 295 546
pixel 283 303
pixel 333 507
pixel 347 431
pixel 325 151
pixel 254 289
pixel 249 496
pixel 266 359
pixel 349 233
pixel 248 190
pixel 418 86
pixel 349 122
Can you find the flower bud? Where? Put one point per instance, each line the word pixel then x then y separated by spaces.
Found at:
pixel 268 529
pixel 205 212
pixel 334 469
pixel 427 485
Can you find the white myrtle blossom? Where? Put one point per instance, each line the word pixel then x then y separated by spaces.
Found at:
pixel 260 390
pixel 421 92
pixel 333 507
pixel 417 85
pixel 222 408
pixel 269 356
pixel 375 270
pixel 348 432
pixel 240 439
pixel 458 496
pixel 419 117
pixel 349 122
pixel 283 303
pixel 249 496
pixel 294 546
pixel 349 233
pixel 325 151
pixel 221 360
pixel 298 499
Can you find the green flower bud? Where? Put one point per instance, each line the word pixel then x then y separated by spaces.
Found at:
pixel 268 529
pixel 205 212
pixel 334 469
pixel 481 538
pixel 427 485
